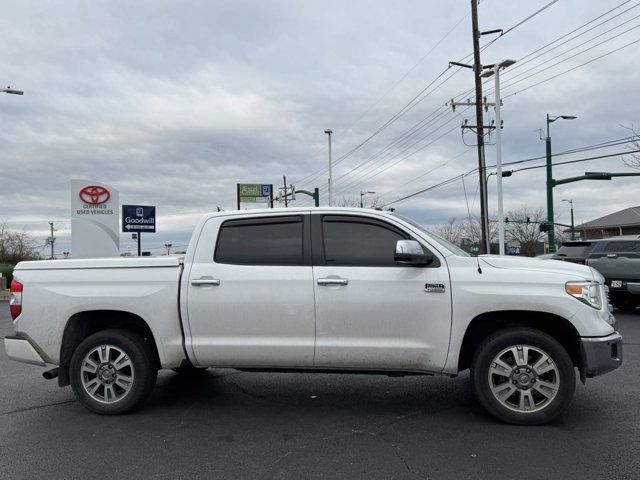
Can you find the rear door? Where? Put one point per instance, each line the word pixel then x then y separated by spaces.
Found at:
pixel 250 299
pixel 372 313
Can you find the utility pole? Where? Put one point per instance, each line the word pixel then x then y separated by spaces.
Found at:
pixel 329 132
pixel 286 202
pixel 477 70
pixel 479 127
pixel 52 241
pixel 573 236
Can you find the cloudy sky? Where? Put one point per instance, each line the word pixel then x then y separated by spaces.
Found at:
pixel 173 103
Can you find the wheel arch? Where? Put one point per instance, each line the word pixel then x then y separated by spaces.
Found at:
pixel 487 323
pixel 82 324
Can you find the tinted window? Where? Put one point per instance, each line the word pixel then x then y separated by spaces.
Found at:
pixel 626 246
pixel 574 249
pixel 349 241
pixel 267 241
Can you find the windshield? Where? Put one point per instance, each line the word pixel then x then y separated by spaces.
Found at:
pixel 574 249
pixel 445 243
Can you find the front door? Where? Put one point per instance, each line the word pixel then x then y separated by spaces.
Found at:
pixel 250 299
pixel 372 313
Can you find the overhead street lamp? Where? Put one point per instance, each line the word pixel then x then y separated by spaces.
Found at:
pixel 362 194
pixel 12 91
pixel 329 132
pixel 573 236
pixel 495 70
pixel 550 185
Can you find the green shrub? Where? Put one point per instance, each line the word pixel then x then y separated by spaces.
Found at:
pixel 7 271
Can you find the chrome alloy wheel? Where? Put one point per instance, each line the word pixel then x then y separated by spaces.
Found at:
pixel 524 378
pixel 107 373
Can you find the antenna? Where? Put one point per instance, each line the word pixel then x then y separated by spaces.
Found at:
pixel 464 189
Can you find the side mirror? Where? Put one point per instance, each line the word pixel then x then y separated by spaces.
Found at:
pixel 410 252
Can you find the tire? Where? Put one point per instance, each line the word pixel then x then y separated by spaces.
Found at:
pixel 190 370
pixel 113 372
pixel 531 392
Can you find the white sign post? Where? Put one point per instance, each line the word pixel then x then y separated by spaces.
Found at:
pixel 95 218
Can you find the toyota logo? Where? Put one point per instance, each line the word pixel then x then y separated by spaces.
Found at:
pixel 94 194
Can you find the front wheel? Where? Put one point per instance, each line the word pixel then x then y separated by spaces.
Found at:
pixel 112 371
pixel 523 376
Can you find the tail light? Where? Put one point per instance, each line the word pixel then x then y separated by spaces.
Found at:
pixel 581 261
pixel 15 302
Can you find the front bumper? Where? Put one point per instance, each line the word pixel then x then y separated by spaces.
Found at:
pixel 20 349
pixel 600 355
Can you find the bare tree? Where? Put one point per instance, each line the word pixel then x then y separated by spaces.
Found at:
pixel 633 159
pixel 367 202
pixel 527 234
pixel 451 231
pixel 472 232
pixel 16 246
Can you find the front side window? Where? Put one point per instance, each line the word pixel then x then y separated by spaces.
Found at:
pixel 354 241
pixel 261 241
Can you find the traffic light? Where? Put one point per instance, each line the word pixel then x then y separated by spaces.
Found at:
pixel 506 219
pixel 528 219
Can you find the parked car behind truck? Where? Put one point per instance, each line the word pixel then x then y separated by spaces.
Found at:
pixel 618 260
pixel 322 289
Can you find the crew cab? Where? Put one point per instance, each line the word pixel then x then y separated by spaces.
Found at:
pixel 317 289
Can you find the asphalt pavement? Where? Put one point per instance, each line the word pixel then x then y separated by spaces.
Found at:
pixel 232 425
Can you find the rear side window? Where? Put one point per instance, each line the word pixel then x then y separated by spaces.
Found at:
pixel 261 241
pixel 574 249
pixel 354 241
pixel 623 246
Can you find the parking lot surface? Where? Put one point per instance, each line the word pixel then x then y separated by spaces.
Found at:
pixel 229 424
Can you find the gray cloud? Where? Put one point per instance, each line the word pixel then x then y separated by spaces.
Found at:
pixel 173 103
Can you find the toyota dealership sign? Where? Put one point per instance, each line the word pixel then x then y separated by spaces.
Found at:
pixel 94 220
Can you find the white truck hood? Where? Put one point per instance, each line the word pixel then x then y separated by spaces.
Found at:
pixel 533 264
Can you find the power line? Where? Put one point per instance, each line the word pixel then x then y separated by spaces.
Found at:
pixel 574 68
pixel 530 17
pixel 385 168
pixel 475 170
pixel 407 135
pixel 388 91
pixel 578 160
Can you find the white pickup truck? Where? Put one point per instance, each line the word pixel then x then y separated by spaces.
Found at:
pixel 317 289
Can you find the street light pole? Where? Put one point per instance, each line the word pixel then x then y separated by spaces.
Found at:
pixel 495 70
pixel 329 132
pixel 362 194
pixel 573 237
pixel 550 219
pixel 11 91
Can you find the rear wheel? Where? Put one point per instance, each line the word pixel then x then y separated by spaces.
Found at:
pixel 523 376
pixel 112 371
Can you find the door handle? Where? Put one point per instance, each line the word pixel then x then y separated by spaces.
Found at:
pixel 333 281
pixel 205 281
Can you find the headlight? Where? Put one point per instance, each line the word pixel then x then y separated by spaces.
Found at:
pixel 587 292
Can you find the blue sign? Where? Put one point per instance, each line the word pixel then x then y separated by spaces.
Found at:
pixel 266 190
pixel 138 218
